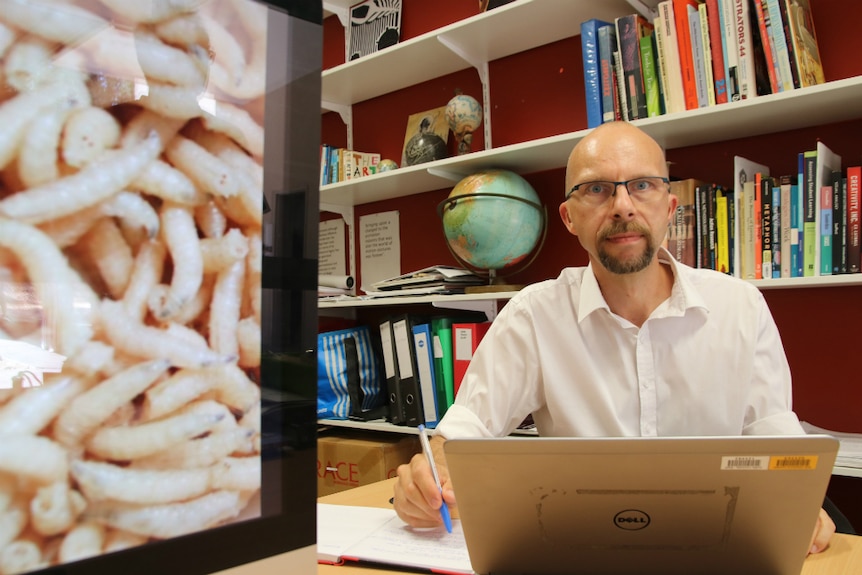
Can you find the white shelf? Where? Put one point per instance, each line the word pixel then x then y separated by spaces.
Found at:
pixel 440 300
pixel 816 105
pixel 497 33
pixel 847 471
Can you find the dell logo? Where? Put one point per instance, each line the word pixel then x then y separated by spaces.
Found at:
pixel 631 519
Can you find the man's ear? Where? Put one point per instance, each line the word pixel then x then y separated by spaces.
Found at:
pixel 567 218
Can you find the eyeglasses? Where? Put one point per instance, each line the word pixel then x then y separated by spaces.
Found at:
pixel 643 190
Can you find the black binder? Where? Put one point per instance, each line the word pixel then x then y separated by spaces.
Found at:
pixel 390 374
pixel 408 380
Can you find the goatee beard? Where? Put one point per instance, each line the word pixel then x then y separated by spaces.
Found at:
pixel 617 266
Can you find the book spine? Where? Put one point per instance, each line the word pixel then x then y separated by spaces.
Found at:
pixel 728 25
pixel 788 41
pixel 651 80
pixel 795 231
pixel 757 237
pixel 716 45
pixel 607 41
pixel 683 35
pixel 722 215
pixel 629 31
pixel 809 231
pixel 839 205
pixel 590 54
pixel 707 54
pixel 697 57
pixel 674 93
pixel 620 85
pixel 776 229
pixel 786 225
pixel 854 243
pixel 766 227
pixel 781 53
pixel 826 230
pixel 744 50
pixel 767 43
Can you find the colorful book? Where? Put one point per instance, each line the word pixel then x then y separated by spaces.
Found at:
pixel 766 223
pixel 722 231
pixel 686 62
pixel 767 41
pixel 827 162
pixel 744 49
pixel 698 56
pixel 826 230
pixel 668 47
pixel 854 194
pixel 682 240
pixel 839 224
pixel 716 48
pixel 746 172
pixel 810 228
pixel 781 54
pixel 803 37
pixel 592 73
pixel 651 78
pixel 784 185
pixel 607 40
pixel 731 57
pixel 776 229
pixel 630 29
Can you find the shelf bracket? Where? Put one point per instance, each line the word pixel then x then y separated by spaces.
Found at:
pixel 646 8
pixel 447 174
pixel 340 11
pixel 347 214
pixel 481 66
pixel 346 113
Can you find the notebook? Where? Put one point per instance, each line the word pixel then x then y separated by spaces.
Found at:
pixel 613 506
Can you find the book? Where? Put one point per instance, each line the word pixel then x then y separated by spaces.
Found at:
pixel 686 62
pixel 731 57
pixel 745 172
pixel 651 77
pixel 668 48
pixel 781 54
pixel 795 229
pixel 592 74
pixel 465 339
pixel 791 54
pixel 766 185
pixel 810 228
pixel 827 162
pixel 854 180
pixel 785 190
pixel 630 29
pixel 698 57
pixel 803 37
pixel 744 49
pixel 682 240
pixel 423 347
pixel 775 241
pixel 620 103
pixel 722 231
pixel 826 230
pixel 716 48
pixel 768 43
pixel 839 224
pixel 347 533
pixel 441 333
pixel 607 41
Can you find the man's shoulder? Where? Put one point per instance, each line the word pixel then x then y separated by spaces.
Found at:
pixel 569 279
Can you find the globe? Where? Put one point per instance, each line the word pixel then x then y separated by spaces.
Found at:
pixel 494 222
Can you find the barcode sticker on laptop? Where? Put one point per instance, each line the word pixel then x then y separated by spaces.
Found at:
pixel 745 462
pixel 793 462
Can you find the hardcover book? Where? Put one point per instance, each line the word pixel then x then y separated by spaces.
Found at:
pixel 630 29
pixel 804 40
pixel 592 74
pixel 683 35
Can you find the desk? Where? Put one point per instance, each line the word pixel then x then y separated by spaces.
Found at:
pixel 844 556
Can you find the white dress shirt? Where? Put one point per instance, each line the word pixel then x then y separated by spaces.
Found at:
pixel 708 361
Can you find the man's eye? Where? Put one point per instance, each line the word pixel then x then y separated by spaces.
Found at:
pixel 596 188
pixel 640 185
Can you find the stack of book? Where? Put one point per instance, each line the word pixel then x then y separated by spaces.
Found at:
pixel 801 224
pixel 341 164
pixel 696 54
pixel 430 280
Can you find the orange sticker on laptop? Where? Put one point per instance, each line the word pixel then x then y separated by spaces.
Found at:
pixel 793 462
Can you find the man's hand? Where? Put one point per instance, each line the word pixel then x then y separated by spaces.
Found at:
pixel 823 532
pixel 417 499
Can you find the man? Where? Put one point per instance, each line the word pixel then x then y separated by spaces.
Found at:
pixel 635 344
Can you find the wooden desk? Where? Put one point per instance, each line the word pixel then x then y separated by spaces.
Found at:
pixel 844 556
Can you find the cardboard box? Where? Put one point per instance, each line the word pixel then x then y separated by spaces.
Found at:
pixel 347 459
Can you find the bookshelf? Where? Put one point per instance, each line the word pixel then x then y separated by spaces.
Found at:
pixel 815 315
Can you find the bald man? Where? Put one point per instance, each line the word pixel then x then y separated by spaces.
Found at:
pixel 634 344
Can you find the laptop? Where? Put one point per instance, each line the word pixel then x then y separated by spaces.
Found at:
pixel 640 506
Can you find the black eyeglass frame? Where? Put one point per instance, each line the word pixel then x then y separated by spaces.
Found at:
pixel 624 183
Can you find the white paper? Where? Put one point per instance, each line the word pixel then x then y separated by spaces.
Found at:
pixel 377 534
pixel 380 247
pixel 331 259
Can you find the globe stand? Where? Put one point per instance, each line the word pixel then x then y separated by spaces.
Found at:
pixel 495 281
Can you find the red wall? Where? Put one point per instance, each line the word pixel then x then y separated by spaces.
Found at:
pixel 540 93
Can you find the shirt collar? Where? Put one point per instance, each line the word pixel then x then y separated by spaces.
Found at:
pixel 683 295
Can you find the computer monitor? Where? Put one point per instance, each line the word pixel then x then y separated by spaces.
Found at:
pixel 158 277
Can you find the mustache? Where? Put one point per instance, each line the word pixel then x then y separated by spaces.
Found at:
pixel 623 228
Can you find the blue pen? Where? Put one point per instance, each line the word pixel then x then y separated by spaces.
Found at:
pixel 426 447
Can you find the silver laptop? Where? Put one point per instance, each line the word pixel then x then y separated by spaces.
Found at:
pixel 640 506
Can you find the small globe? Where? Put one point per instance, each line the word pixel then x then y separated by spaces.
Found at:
pixel 493 220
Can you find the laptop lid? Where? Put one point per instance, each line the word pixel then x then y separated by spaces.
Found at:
pixel 612 506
